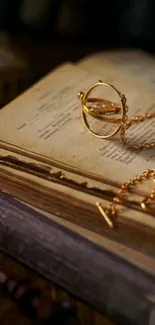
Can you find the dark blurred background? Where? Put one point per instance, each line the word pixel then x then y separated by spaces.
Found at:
pixel 50 32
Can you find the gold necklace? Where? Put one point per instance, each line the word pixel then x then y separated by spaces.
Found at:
pixel 108 112
pixel 110 212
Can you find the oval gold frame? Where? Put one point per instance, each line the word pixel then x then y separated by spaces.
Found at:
pixel 84 110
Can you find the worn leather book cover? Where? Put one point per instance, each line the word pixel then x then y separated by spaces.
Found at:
pixel 100 275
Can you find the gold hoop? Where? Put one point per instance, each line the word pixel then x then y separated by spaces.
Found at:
pixel 111 108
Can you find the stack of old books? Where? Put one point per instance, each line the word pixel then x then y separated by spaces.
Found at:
pixel 53 173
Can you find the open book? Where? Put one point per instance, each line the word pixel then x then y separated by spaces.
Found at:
pixel 50 161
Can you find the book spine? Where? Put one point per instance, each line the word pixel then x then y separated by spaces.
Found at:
pixel 116 288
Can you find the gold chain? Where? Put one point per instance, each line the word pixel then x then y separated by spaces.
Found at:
pixel 133 120
pixel 110 108
pixel 110 212
pixel 107 107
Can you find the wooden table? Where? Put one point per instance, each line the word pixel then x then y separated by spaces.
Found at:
pixel 9 312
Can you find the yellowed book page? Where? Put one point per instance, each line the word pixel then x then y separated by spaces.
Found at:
pixel 136 63
pixel 79 207
pixel 34 187
pixel 46 121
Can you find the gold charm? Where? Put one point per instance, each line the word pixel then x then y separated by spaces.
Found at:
pixel 104 118
pixel 103 110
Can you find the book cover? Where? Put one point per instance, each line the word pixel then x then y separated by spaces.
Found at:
pixel 119 289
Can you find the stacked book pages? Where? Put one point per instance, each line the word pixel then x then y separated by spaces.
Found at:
pixel 58 173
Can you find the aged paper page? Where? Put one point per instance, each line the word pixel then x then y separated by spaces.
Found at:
pixel 135 63
pixel 46 120
pixel 69 203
